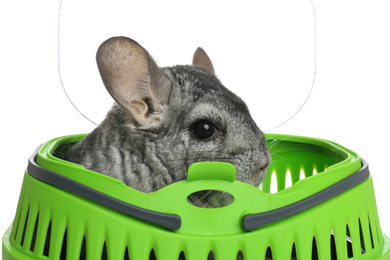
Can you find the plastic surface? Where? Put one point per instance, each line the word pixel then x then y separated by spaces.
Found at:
pixel 54 223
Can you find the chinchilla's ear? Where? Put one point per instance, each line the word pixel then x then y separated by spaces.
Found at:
pixel 133 79
pixel 201 59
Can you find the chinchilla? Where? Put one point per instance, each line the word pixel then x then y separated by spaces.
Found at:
pixel 165 119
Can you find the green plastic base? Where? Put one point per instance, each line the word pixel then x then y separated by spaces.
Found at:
pixel 11 252
pixel 54 223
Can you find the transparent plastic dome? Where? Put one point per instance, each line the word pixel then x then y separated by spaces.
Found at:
pixel 264 51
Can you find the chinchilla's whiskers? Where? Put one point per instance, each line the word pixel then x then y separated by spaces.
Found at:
pixel 217 196
pixel 278 140
pixel 207 193
pixel 279 158
pixel 275 142
pixel 203 198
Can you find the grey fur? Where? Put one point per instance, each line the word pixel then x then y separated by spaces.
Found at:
pixel 149 149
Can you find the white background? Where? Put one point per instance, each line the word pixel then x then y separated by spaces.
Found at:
pixel 264 52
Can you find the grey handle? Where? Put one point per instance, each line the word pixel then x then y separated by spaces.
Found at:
pixel 253 221
pixel 170 221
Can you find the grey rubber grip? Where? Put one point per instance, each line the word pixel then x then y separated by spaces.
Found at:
pixel 170 221
pixel 254 221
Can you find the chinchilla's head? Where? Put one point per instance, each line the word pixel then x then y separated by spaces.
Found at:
pixel 180 115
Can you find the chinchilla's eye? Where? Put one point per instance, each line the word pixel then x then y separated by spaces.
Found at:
pixel 204 129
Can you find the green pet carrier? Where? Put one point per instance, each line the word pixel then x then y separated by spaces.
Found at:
pixel 325 210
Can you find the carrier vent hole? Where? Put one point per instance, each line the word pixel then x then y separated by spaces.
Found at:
pixel 104 252
pixel 268 254
pixel 372 239
pixel 210 199
pixel 293 252
pixel 64 244
pixel 34 237
pixel 17 224
pixel 152 255
pixel 240 255
pixel 211 256
pixel 182 256
pixel 314 250
pixel 315 171
pixel 302 174
pixel 288 182
pixel 16 227
pixel 363 246
pixel 274 183
pixel 349 243
pixel 83 252
pixel 333 252
pixel 47 241
pixel 126 257
pixel 25 227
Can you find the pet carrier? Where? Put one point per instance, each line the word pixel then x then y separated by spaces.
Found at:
pixel 325 210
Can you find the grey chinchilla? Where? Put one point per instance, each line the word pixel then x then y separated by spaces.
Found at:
pixel 165 119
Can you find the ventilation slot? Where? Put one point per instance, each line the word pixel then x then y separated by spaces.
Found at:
pixel 372 239
pixel 152 255
pixel 349 243
pixel 83 252
pixel 293 252
pixel 268 254
pixel 182 256
pixel 333 252
pixel 314 250
pixel 16 227
pixel 17 218
pixel 363 246
pixel 104 253
pixel 302 174
pixel 240 255
pixel 288 183
pixel 64 244
pixel 211 255
pixel 47 241
pixel 274 183
pixel 126 257
pixel 34 237
pixel 25 227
